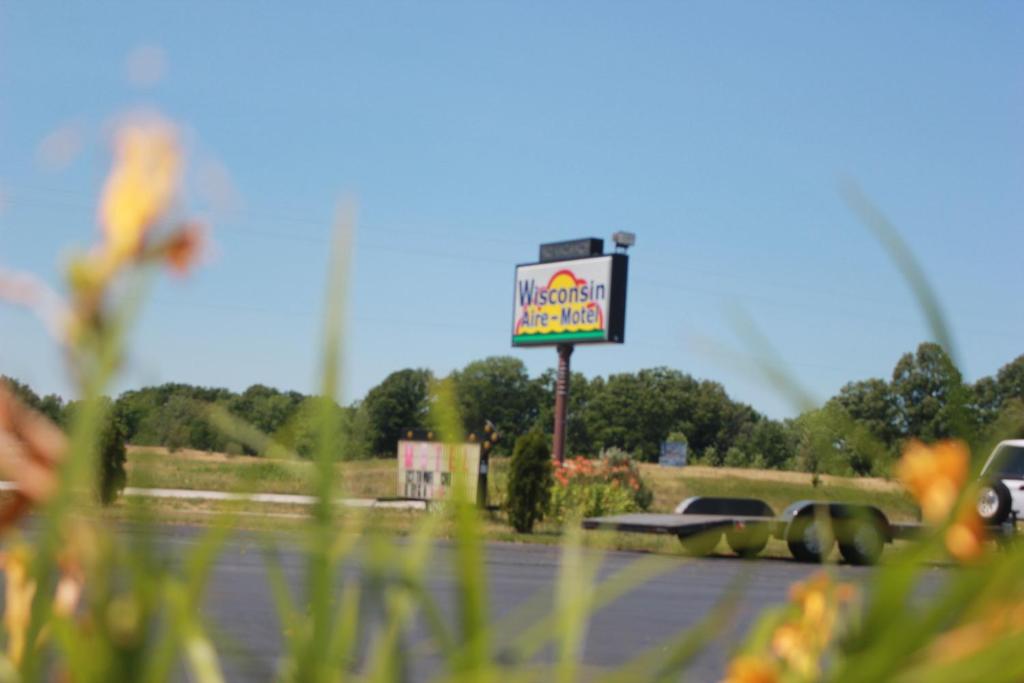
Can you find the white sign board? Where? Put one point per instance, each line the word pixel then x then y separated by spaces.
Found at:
pixel 428 470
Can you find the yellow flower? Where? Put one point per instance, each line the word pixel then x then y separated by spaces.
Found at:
pixel 20 590
pixel 752 669
pixel 140 187
pixel 934 475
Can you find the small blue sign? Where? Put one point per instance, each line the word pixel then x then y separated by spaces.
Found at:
pixel 673 454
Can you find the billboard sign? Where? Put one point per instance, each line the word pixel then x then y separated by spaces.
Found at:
pixel 569 302
pixel 427 470
pixel 673 454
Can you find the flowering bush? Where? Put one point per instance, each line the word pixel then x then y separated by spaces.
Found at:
pixel 624 469
pixel 588 488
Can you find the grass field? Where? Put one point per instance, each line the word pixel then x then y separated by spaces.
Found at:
pixel 157 468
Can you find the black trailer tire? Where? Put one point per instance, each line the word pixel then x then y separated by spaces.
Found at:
pixel 807 541
pixel 748 541
pixel 862 542
pixel 994 503
pixel 701 544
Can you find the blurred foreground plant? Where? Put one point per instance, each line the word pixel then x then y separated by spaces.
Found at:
pixel 87 600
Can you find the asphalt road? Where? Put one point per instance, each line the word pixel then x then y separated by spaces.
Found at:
pixel 243 620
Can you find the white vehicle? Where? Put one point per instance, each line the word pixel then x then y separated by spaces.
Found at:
pixel 1003 493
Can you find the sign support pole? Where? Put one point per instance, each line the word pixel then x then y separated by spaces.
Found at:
pixel 561 401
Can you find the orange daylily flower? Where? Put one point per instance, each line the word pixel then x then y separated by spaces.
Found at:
pixel 935 475
pixel 140 187
pixel 797 644
pixel 965 538
pixel 751 669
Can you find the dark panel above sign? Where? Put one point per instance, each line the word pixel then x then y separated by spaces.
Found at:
pixel 572 249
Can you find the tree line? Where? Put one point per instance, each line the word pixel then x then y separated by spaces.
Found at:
pixel 858 431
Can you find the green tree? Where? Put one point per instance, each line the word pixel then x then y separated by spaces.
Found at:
pixel 1010 380
pixel 303 432
pixel 529 481
pixel 636 411
pixel 141 410
pixel 500 390
pixel 398 404
pixel 930 398
pixel 873 404
pixel 578 437
pixel 110 452
pixel 51 405
pixel 715 420
pixel 986 400
pixel 265 408
pixel 22 391
pixel 180 422
pixel 990 394
pixel 768 444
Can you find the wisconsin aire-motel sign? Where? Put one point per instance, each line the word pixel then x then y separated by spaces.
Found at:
pixel 575 294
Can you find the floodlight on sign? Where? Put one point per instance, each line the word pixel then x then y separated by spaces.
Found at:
pixel 623 239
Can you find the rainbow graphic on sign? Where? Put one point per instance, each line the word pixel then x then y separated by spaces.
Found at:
pixel 567 305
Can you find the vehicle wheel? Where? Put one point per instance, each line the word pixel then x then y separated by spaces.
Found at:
pixel 749 540
pixel 807 540
pixel 863 543
pixel 699 545
pixel 994 503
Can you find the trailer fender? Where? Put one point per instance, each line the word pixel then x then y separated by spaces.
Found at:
pixel 712 505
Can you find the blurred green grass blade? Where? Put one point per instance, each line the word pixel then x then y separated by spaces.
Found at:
pixel 441 635
pixel 284 603
pixel 996 659
pixel 203 557
pixel 402 597
pixel 531 638
pixel 903 256
pixel 667 660
pixel 573 599
pixel 346 628
pixel 772 366
pixel 896 628
pixel 246 434
pixel 336 297
pixel 415 571
pixel 470 573
pixel 200 655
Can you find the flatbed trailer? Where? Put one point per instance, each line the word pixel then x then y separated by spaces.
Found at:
pixel 809 528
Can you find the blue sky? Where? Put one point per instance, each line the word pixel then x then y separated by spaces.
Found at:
pixel 469 132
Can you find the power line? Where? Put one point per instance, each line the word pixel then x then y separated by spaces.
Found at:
pixel 829 311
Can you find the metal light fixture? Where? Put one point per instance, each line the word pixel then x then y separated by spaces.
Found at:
pixel 624 240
